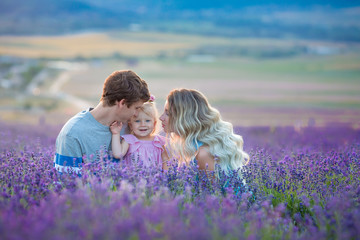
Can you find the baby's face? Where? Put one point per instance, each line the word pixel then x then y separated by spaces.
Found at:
pixel 142 125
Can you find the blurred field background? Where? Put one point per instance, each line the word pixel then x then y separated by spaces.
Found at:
pixel 253 80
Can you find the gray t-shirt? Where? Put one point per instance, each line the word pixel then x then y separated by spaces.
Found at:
pixel 82 137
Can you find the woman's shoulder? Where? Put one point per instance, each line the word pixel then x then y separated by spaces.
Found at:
pixel 203 151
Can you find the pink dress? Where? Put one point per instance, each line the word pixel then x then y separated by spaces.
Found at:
pixel 149 152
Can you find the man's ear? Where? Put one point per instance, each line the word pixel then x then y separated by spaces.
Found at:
pixel 121 103
pixel 129 125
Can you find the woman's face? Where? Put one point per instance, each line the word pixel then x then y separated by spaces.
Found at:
pixel 164 118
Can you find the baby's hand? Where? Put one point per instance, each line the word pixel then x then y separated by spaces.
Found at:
pixel 116 127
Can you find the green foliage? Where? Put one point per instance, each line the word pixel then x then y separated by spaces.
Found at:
pixel 30 73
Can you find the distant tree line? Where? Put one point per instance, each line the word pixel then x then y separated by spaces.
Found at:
pixel 212 18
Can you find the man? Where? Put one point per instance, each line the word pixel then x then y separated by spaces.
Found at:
pixel 87 136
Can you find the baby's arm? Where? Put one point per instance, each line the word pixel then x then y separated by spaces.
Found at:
pixel 118 145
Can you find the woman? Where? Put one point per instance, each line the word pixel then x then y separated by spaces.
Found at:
pixel 198 134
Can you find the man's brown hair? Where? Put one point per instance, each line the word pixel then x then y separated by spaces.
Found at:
pixel 125 85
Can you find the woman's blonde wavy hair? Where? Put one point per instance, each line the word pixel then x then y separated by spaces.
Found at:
pixel 193 120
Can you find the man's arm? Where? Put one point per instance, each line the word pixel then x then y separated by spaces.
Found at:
pixel 68 156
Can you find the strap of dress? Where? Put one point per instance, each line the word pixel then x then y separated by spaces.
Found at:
pixel 198 145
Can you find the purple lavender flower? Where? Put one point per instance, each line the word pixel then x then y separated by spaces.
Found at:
pixel 299 185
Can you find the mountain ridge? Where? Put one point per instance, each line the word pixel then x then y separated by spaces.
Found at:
pixel 257 18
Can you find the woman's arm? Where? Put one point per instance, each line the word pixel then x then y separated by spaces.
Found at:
pixel 205 159
pixel 165 159
pixel 206 162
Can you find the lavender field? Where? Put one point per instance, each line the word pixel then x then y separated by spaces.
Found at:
pixel 302 184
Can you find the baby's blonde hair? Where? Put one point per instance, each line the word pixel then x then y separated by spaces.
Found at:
pixel 193 120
